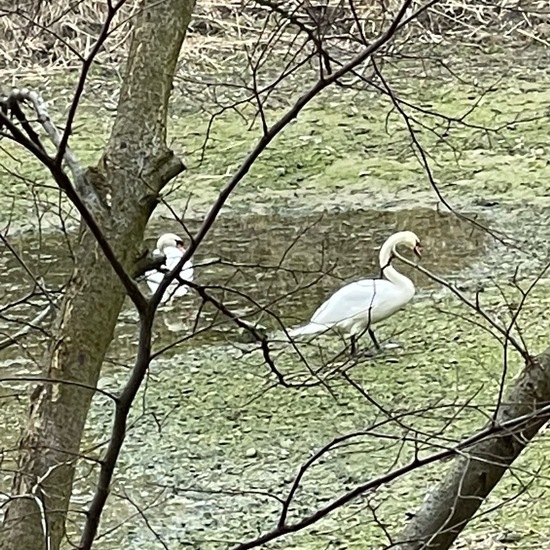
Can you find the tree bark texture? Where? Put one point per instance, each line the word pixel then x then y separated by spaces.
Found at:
pixel 447 509
pixel 136 165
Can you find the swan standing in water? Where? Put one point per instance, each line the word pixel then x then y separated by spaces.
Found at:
pixel 172 247
pixel 355 307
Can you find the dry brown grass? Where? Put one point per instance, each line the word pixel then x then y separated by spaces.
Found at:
pixel 51 33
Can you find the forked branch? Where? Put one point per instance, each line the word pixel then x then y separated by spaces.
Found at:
pixel 83 199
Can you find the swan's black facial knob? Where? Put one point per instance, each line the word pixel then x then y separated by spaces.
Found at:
pixel 418 249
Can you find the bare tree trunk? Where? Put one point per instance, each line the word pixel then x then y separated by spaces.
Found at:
pixel 136 165
pixel 451 505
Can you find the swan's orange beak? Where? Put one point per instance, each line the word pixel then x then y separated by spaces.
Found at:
pixel 418 250
pixel 180 245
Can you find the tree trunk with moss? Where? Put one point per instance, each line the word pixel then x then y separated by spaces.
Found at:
pixel 136 165
pixel 449 507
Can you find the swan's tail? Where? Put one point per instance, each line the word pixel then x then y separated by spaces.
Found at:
pixel 310 328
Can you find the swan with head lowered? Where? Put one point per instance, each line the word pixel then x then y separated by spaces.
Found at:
pixel 172 247
pixel 357 306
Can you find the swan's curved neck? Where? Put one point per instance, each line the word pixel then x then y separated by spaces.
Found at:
pixel 388 271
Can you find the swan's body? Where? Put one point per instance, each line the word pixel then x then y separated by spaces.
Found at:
pixel 171 246
pixel 357 306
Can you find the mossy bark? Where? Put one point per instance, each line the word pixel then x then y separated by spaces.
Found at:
pixel 136 165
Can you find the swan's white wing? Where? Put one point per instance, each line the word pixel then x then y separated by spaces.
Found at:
pixel 187 271
pixel 374 298
pixel 177 289
pixel 154 278
pixel 173 256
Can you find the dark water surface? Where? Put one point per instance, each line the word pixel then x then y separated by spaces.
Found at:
pixel 284 263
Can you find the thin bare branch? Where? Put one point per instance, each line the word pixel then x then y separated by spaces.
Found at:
pixel 20 334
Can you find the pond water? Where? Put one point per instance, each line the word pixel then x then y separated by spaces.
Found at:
pixel 284 263
pixel 212 439
pixel 269 267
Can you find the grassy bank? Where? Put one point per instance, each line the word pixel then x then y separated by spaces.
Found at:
pixel 347 149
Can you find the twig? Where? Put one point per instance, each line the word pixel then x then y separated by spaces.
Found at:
pixel 111 12
pixel 11 340
pixel 284 528
pixel 41 109
pixel 475 306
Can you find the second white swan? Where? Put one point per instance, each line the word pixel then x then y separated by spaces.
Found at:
pixel 357 306
pixel 173 248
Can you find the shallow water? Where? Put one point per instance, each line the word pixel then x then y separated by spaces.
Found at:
pixel 203 430
pixel 285 264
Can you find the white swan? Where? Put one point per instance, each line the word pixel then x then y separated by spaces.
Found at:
pixel 172 247
pixel 355 307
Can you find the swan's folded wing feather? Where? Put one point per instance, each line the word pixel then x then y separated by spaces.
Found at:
pixel 154 277
pixel 353 299
pixel 173 256
pixel 187 272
